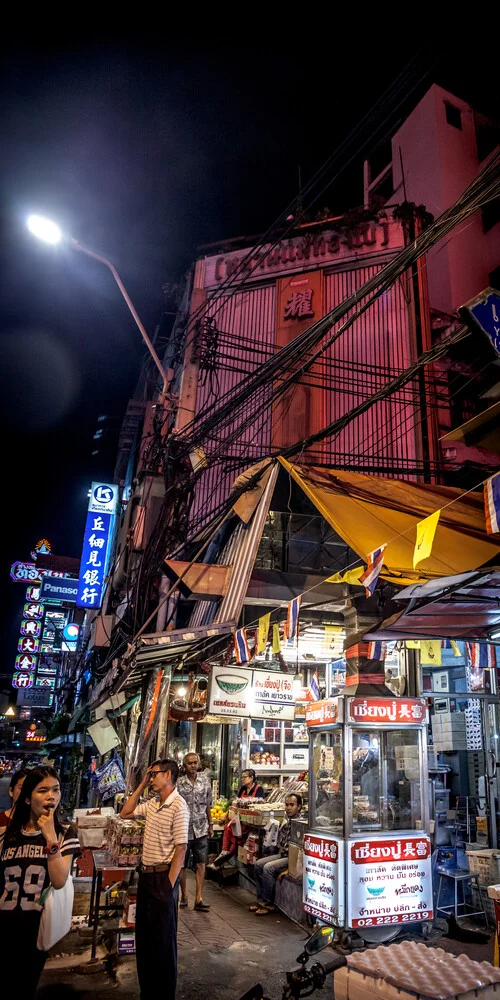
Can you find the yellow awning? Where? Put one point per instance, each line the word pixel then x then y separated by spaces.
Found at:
pixel 368 511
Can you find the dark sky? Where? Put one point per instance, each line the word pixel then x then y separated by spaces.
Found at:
pixel 143 150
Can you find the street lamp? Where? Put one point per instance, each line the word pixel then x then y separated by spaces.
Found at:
pixel 47 231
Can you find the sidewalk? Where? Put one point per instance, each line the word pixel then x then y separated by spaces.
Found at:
pixel 222 953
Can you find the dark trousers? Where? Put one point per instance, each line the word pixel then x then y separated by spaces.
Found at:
pixel 156 935
pixel 18 934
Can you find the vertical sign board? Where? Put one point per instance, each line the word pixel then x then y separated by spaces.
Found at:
pixel 323 878
pixel 389 881
pixel 96 544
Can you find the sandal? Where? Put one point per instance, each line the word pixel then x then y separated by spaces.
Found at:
pixel 263 911
pixel 254 907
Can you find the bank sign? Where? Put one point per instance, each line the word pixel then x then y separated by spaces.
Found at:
pixel 389 881
pixel 323 878
pixel 96 544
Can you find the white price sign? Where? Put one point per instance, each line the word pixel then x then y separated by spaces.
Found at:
pixel 389 881
pixel 323 878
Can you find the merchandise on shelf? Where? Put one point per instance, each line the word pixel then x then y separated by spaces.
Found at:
pixel 125 837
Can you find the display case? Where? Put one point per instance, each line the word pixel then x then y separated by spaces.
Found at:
pixel 367 853
pixel 276 749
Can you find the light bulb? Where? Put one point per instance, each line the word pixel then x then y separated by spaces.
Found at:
pixel 181 691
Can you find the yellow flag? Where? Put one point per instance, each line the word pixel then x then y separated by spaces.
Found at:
pixel 426 530
pixel 262 632
pixel 456 651
pixel 430 652
pixel 412 643
pixel 350 576
pixel 276 639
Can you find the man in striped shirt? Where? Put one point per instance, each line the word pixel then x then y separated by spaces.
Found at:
pixel 165 842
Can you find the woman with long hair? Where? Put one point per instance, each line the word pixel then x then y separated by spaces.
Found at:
pixel 16 783
pixel 36 852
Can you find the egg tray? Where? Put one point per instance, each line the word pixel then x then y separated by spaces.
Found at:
pixel 413 971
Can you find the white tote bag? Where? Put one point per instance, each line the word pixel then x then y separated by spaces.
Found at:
pixel 56 915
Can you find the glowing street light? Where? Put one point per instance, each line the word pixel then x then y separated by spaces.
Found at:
pixel 10 711
pixel 44 229
pixel 49 232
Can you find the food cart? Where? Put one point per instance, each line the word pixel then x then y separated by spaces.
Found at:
pixel 367 852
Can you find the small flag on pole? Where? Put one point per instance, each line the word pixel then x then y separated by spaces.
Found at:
pixel 349 576
pixel 292 618
pixel 377 650
pixel 372 571
pixel 492 504
pixel 241 646
pixel 276 639
pixel 314 686
pixel 263 632
pixel 450 644
pixel 426 530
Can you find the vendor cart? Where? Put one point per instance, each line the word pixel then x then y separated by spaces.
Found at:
pixel 367 852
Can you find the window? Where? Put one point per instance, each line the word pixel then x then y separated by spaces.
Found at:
pixel 326 778
pixel 453 115
pixel 386 792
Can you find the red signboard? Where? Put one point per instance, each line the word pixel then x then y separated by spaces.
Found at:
pixel 368 852
pixel 323 848
pixel 389 881
pixel 387 711
pixel 322 713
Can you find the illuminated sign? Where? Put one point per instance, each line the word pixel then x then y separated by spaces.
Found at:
pixel 35 738
pixel 389 881
pixel 59 591
pixel 31 627
pixel 26 644
pixel 25 572
pixel 33 610
pixel 32 593
pixel 45 682
pixel 22 679
pixel 94 559
pixel 103 498
pixel 26 661
pixel 323 713
pixel 386 711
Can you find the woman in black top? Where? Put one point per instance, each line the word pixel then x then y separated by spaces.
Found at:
pixel 36 851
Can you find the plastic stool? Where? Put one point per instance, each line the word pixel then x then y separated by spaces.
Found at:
pixel 460 877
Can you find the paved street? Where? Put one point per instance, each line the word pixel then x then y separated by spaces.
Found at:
pixel 221 954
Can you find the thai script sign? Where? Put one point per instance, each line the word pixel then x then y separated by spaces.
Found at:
pixel 389 881
pixel 323 878
pixel 272 695
pixel 387 711
pixel 323 713
pixel 230 692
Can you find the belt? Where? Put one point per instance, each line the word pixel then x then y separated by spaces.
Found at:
pixel 165 867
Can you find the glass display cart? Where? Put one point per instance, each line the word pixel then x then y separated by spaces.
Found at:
pixel 367 852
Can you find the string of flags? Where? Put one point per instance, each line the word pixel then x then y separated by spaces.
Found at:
pixel 359 576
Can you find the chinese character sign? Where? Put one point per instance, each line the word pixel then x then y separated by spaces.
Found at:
pixel 389 881
pixel 94 559
pixel 323 878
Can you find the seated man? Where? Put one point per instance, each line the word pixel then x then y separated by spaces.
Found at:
pixel 267 870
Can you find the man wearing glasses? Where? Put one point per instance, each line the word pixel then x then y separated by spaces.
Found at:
pixel 165 842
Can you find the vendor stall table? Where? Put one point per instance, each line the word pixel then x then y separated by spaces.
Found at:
pixel 105 870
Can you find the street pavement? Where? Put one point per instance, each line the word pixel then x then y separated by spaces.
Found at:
pixel 222 953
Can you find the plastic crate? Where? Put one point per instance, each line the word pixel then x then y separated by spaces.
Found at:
pixel 486 864
pixel 485 901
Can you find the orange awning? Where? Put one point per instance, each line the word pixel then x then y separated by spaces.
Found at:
pixel 368 511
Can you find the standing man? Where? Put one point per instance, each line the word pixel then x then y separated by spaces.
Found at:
pixel 268 869
pixel 165 841
pixel 196 789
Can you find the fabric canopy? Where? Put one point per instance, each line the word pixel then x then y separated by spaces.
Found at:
pixel 368 511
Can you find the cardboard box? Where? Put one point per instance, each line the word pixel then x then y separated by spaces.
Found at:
pixel 295 861
pixel 243 855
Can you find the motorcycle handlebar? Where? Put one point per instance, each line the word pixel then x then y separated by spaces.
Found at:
pixel 335 963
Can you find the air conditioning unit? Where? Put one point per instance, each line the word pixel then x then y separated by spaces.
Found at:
pixel 101 630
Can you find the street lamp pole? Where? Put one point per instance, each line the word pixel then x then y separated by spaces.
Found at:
pixel 49 232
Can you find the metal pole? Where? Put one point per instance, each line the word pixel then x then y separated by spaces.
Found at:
pixel 103 260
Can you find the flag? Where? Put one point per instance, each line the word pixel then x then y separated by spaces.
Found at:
pixel 372 571
pixel 430 652
pixel 481 655
pixel 450 644
pixel 292 618
pixel 350 576
pixel 492 504
pixel 412 643
pixel 377 650
pixel 263 632
pixel 276 639
pixel 426 530
pixel 314 686
pixel 241 646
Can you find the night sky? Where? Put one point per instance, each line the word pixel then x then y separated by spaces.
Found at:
pixel 143 151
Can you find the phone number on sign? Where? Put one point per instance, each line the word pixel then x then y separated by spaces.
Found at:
pixel 322 914
pixel 398 918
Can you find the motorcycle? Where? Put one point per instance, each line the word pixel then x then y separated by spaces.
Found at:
pixel 303 981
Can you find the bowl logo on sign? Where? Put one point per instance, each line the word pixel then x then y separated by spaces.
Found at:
pixel 375 892
pixel 311 882
pixel 231 684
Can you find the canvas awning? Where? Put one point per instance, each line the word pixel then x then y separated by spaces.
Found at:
pixel 367 511
pixel 466 606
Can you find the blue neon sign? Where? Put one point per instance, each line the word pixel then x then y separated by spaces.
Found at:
pixel 94 559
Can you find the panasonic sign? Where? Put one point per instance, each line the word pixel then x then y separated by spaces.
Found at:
pixel 58 591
